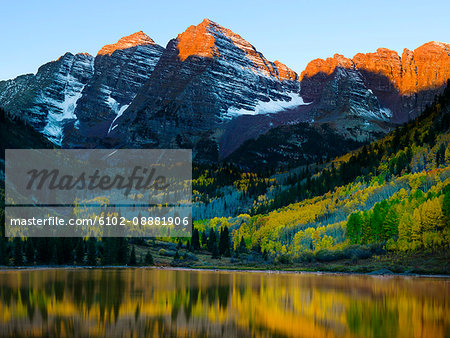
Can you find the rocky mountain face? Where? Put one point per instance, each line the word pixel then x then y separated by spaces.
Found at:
pixel 77 97
pixel 213 91
pixel 205 78
pixel 358 96
pixel 120 70
pixel 48 99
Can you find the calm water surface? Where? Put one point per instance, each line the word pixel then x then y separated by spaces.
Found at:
pixel 148 302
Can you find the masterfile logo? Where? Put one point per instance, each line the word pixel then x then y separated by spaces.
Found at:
pixel 98 192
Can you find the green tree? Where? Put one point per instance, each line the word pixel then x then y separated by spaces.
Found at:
pixel 446 204
pixel 215 251
pixel 224 242
pixel 390 224
pixel 195 240
pixel 92 252
pixel 133 260
pixel 3 243
pixel 204 239
pixel 80 252
pixel 18 251
pixel 148 259
pixel 29 251
pixel 122 251
pixel 242 248
pixel 212 240
pixel 354 228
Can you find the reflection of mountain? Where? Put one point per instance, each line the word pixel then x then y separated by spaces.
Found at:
pixel 188 303
pixel 211 90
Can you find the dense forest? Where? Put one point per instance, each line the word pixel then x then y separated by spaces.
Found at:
pixel 392 195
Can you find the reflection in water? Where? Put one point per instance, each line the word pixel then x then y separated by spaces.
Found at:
pixel 125 302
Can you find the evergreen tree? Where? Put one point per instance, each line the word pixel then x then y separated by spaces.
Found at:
pixel 80 252
pixel 122 251
pixel 91 252
pixel 204 239
pixel 29 251
pixel 17 251
pixel 242 247
pixel 212 240
pixel 446 204
pixel 3 252
pixel 224 242
pixel 109 251
pixel 148 260
pixel 195 240
pixel 133 260
pixel 215 251
pixel 440 155
pixel 188 245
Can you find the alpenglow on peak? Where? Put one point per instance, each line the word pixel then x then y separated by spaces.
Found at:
pixel 133 40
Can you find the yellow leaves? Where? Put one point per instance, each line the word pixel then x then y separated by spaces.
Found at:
pixel 429 215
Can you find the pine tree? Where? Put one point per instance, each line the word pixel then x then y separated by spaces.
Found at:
pixel 18 251
pixel 446 204
pixel 148 260
pixel 224 242
pixel 3 252
pixel 212 240
pixel 195 240
pixel 242 247
pixel 204 239
pixel 215 251
pixel 122 251
pixel 29 251
pixel 44 250
pixel 133 260
pixel 91 252
pixel 80 252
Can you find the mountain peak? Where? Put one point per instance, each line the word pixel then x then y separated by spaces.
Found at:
pixel 135 39
pixel 209 39
pixel 434 47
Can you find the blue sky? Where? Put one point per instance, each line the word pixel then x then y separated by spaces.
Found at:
pixel 294 32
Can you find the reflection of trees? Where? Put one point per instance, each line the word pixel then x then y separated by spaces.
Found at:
pixel 160 302
pixel 373 319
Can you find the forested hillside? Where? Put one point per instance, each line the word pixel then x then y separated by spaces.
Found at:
pixel 390 196
pixel 393 193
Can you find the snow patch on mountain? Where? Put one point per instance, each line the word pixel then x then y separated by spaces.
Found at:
pixel 64 111
pixel 119 113
pixel 268 107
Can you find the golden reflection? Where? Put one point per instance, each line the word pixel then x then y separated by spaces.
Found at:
pixel 118 302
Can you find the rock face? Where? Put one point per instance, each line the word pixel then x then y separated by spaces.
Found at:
pixel 75 99
pixel 380 86
pixel 49 98
pixel 120 70
pixel 207 76
pixel 211 90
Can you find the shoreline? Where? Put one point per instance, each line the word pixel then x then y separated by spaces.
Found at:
pixel 226 270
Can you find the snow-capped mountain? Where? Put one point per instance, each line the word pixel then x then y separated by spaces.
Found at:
pixel 369 93
pixel 120 70
pixel 211 90
pixel 78 96
pixel 206 77
pixel 48 99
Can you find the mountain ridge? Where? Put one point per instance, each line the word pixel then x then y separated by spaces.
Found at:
pixel 211 90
